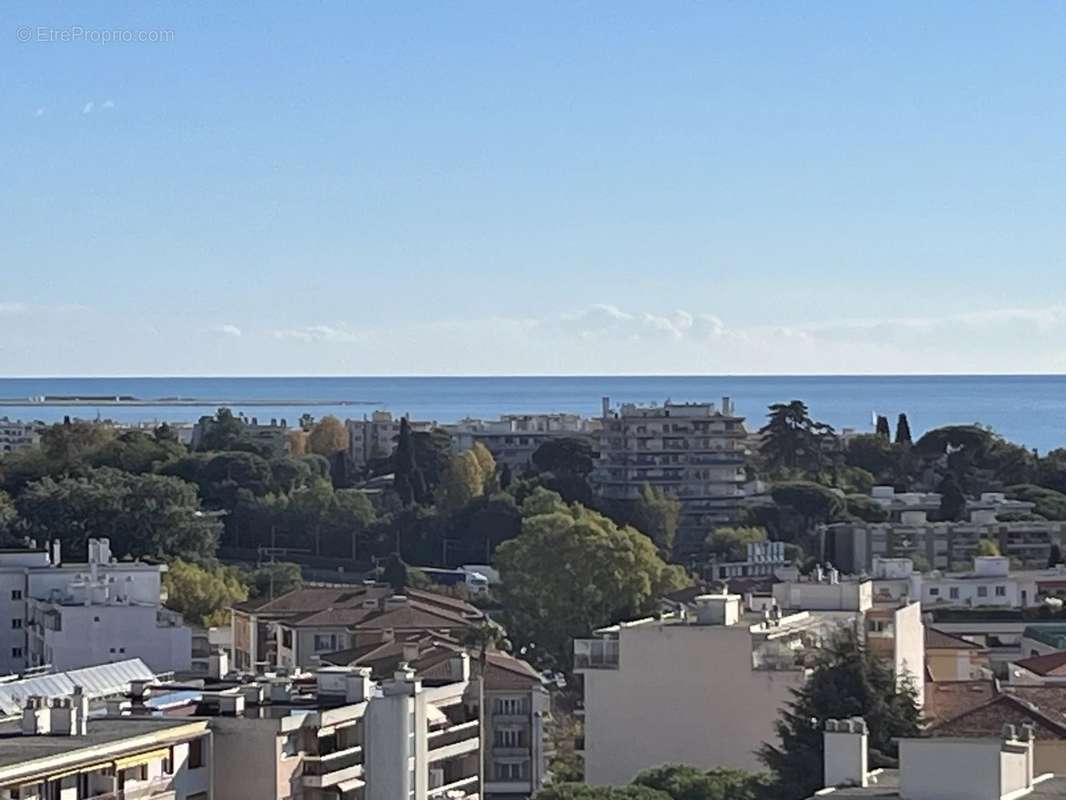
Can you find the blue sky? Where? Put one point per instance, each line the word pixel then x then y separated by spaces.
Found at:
pixel 455 188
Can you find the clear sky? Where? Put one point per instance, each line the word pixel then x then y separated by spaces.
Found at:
pixel 506 187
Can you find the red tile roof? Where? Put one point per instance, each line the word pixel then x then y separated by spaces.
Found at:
pixel 1050 664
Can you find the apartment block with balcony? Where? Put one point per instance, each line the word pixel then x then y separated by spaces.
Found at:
pixel 375 436
pixel 702 686
pixel 693 451
pixel 514 438
pixel 71 615
pixel 16 435
pixel 58 751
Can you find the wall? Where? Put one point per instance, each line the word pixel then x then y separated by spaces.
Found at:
pixel 909 648
pixel 99 634
pixel 950 769
pixel 247 755
pixel 685 694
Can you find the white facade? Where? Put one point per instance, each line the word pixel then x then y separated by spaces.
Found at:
pixel 514 438
pixel 16 435
pixel 375 436
pixel 77 615
pixel 702 688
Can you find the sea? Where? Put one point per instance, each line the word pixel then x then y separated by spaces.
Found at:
pixel 1028 410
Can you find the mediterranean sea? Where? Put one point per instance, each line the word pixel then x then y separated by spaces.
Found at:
pixel 1029 410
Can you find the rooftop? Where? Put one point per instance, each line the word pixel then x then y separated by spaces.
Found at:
pixel 1050 664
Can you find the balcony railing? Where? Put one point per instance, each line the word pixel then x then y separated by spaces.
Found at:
pixel 453 735
pixel 342 759
pixel 466 785
pixel 155 789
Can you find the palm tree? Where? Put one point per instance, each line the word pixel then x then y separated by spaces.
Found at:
pixel 481 639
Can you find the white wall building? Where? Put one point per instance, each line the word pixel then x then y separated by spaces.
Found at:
pixel 703 686
pixel 514 438
pixel 375 436
pixel 16 435
pixel 80 614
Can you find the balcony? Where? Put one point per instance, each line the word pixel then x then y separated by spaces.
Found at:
pixel 155 789
pixel 454 741
pixel 320 772
pixel 466 785
pixel 595 654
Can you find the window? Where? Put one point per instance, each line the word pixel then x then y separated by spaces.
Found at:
pixel 286 638
pixel 16 624
pixel 325 642
pixel 16 594
pixel 982 591
pixel 510 772
pixel 16 652
pixel 953 592
pixel 508 738
pixel 196 753
pixel 509 705
pixel 934 592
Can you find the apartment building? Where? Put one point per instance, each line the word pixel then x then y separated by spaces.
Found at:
pixel 514 438
pixel 58 751
pixel 71 615
pixel 271 437
pixel 1002 765
pixel 693 451
pixel 16 435
pixel 516 705
pixel 762 560
pixel 375 436
pixel 701 686
pixel 939 545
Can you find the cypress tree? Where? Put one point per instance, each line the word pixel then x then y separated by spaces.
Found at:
pixel 882 428
pixel 903 430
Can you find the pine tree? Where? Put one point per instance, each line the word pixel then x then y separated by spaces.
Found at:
pixel 903 430
pixel 882 428
pixel 952 500
pixel 849 681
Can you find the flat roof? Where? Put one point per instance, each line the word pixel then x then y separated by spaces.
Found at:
pixel 17 748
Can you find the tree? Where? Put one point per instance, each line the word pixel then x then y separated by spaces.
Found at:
pixel 135 451
pixel 408 480
pixel 903 430
pixel 394 572
pixel 952 500
pixel 791 440
pixel 732 543
pixel 883 431
pixel 865 508
pixel 582 791
pixel 224 431
pixel 329 436
pixel 145 516
pixel 486 466
pixel 872 453
pixel 572 570
pixel 657 515
pixel 987 547
pixel 680 782
pixel 848 681
pixel 815 504
pixel 1050 504
pixel 297 442
pixel 8 517
pixel 203 595
pixel 68 441
pixel 461 482
pixel 274 579
pixel 1054 556
pixel 570 455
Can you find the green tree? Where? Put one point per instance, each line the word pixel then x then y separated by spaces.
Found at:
pixel 952 500
pixel 486 466
pixel 145 516
pixel 395 573
pixel 1049 504
pixel 66 442
pixel 680 782
pixel 569 455
pixel 8 517
pixel 903 430
pixel 872 453
pixel 224 431
pixel 655 514
pixel 865 508
pixel 987 547
pixel 792 441
pixel 461 482
pixel 732 542
pixel 815 504
pixel 135 451
pixel 329 436
pixel 572 570
pixel 274 579
pixel 848 681
pixel 883 431
pixel 582 791
pixel 203 594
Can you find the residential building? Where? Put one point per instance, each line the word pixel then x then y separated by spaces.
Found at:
pixel 375 436
pixel 702 686
pixel 952 658
pixel 99 684
pixel 514 438
pixel 272 438
pixel 1001 766
pixel 693 451
pixel 1044 670
pixel 71 615
pixel 516 705
pixel 763 560
pixel 939 545
pixel 57 750
pixel 16 435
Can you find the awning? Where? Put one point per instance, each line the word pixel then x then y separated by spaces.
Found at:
pixel 142 758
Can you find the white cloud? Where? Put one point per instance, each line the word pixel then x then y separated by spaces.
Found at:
pixel 88 108
pixel 323 333
pixel 7 309
pixel 108 104
pixel 39 112
pixel 227 330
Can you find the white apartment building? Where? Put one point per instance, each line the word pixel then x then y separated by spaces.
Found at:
pixel 936 768
pixel 703 686
pixel 693 451
pixel 57 751
pixel 514 438
pixel 763 560
pixel 375 436
pixel 940 545
pixel 16 435
pixel 81 614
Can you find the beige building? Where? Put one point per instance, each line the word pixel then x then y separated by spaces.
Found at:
pixel 693 451
pixel 701 686
pixel 514 438
pixel 16 435
pixel 59 752
pixel 375 436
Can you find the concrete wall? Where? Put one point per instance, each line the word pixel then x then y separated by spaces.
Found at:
pixel 247 757
pixel 950 769
pixel 909 648
pixel 99 634
pixel 683 694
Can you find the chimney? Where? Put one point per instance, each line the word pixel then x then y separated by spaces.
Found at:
pixel 845 743
pixel 718 609
pixel 358 685
pixel 36 717
pixel 606 401
pixel 395 601
pixel 410 651
pixel 57 553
